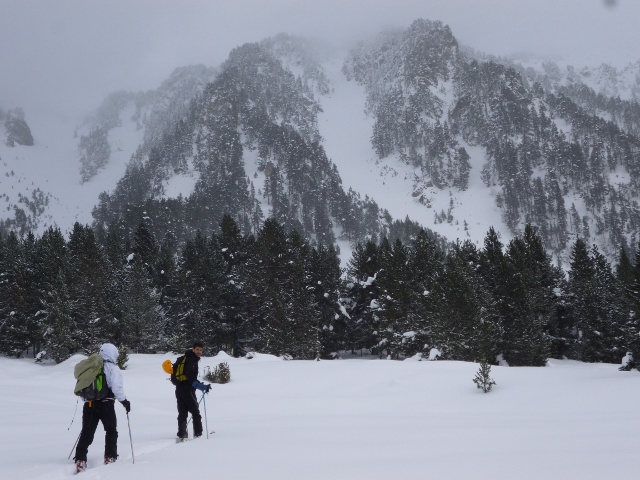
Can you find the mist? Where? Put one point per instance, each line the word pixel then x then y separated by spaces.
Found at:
pixel 63 57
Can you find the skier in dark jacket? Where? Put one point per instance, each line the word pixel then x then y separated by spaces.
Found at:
pixel 102 410
pixel 186 393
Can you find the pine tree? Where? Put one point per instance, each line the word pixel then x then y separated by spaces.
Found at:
pixel 582 293
pixel 123 357
pixel 466 326
pixel 396 330
pixel 141 316
pixel 362 296
pixel 324 275
pixel 145 248
pixel 530 299
pixel 597 306
pixel 199 290
pixel 60 335
pixel 483 379
pixel 611 312
pixel 632 326
pixel 15 295
pixel 281 302
pixel 234 310
pixel 624 269
pixel 425 271
pixel 87 286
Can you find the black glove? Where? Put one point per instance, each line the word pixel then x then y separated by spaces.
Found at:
pixel 127 405
pixel 207 388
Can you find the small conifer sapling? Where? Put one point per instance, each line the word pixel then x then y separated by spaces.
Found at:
pixel 483 379
pixel 220 374
pixel 123 357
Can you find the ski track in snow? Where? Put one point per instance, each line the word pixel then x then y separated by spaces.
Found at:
pixel 342 419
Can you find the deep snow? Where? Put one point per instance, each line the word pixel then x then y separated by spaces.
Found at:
pixel 344 419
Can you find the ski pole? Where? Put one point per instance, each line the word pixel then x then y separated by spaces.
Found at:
pixel 133 458
pixel 206 423
pixel 74 445
pixel 74 414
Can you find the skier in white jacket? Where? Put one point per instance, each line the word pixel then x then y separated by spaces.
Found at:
pixel 102 410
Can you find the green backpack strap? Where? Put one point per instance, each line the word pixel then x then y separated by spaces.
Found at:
pixel 99 381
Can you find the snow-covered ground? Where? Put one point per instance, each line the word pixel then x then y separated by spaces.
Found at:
pixel 344 419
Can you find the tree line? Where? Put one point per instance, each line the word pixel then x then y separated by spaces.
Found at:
pixel 276 293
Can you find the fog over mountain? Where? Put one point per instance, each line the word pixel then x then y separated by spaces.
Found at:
pixel 395 125
pixel 73 53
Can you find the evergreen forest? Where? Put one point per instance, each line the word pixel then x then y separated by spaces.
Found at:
pixel 274 292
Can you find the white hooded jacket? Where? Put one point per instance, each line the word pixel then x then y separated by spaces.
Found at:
pixel 109 354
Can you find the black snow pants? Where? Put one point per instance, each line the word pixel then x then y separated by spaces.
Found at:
pixel 104 412
pixel 188 404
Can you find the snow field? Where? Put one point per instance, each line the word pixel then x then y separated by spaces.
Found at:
pixel 344 419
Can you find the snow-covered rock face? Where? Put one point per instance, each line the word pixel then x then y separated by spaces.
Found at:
pixel 18 132
pixel 14 128
pixel 445 122
pixel 405 126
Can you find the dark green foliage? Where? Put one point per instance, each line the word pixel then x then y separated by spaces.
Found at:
pixel 199 289
pixel 624 269
pixel 465 322
pixel 395 301
pixel 220 374
pixel 278 294
pixel 59 342
pixel 361 297
pixel 280 299
pixel 19 302
pixel 596 305
pixel 324 277
pixel 483 379
pixel 631 326
pixel 94 152
pixel 123 357
pixel 530 301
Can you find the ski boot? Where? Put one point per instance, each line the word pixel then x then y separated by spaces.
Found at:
pixel 81 466
pixel 108 460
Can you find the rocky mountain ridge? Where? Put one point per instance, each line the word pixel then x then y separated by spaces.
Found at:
pixel 556 147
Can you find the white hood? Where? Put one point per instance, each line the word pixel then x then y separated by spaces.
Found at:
pixel 109 352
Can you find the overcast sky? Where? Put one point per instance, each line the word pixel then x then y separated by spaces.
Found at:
pixel 68 54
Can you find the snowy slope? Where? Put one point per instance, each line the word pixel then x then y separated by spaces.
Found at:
pixel 343 419
pixel 347 131
pixel 52 165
